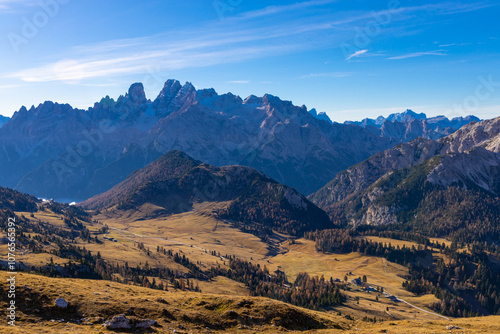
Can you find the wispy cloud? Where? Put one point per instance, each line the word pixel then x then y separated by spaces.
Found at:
pixel 327 74
pixel 273 10
pixel 7 5
pixel 167 52
pixel 239 81
pixel 450 8
pixel 357 54
pixel 419 54
pixel 73 71
pixel 218 44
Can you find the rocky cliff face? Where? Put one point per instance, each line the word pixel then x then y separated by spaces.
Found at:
pixel 360 177
pixel 357 178
pixel 477 169
pixel 392 186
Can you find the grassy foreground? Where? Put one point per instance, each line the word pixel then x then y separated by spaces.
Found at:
pixel 92 302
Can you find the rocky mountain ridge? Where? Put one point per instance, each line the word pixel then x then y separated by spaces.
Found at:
pixel 409 115
pixel 396 185
pixel 56 151
pixel 483 134
pixel 409 125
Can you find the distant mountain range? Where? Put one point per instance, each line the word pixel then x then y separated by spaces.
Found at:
pixel 56 151
pixel 409 116
pixel 409 125
pixel 175 182
pixel 446 187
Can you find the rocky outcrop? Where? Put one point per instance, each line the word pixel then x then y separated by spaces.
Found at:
pixel 485 133
pixel 136 94
pixel 147 323
pixel 381 215
pixel 478 168
pixel 119 321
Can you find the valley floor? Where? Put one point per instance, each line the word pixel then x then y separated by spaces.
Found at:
pixel 224 305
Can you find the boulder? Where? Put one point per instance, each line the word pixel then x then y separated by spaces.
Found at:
pixel 451 327
pixel 60 302
pixel 118 322
pixel 146 323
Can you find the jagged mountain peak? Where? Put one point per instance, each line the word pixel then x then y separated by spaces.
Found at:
pixel 136 93
pixel 321 115
pixel 45 110
pixel 406 116
pixel 252 99
pixel 170 90
pixel 409 116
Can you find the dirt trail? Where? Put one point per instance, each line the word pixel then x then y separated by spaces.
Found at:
pixel 404 301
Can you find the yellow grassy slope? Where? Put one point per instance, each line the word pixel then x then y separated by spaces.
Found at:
pixel 187 312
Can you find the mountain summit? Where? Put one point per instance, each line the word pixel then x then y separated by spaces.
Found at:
pixel 175 183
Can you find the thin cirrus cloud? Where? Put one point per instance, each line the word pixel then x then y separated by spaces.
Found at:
pixel 121 57
pixel 9 4
pixel 239 81
pixel 73 71
pixel 357 54
pixel 419 54
pixel 273 10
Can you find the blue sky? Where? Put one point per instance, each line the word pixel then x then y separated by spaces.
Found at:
pixel 350 58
